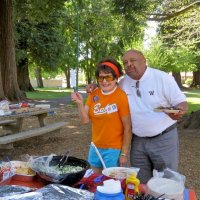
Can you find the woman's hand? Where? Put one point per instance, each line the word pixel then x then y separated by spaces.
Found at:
pixel 77 98
pixel 123 161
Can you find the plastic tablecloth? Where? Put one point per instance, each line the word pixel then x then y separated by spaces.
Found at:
pixel 90 183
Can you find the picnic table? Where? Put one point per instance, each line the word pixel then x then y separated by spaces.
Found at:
pixel 13 124
pixel 189 194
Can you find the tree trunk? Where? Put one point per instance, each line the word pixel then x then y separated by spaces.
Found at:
pixel 38 76
pixel 22 65
pixel 9 84
pixel 23 76
pixel 67 76
pixel 2 96
pixel 177 76
pixel 196 79
pixel 191 121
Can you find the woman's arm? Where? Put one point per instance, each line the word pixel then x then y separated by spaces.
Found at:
pixel 126 140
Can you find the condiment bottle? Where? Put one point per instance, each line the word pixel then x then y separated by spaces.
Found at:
pixel 132 186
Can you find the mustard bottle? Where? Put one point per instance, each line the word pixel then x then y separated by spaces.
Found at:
pixel 132 186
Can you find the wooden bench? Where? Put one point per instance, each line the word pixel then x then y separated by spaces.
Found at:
pixel 7 122
pixel 31 133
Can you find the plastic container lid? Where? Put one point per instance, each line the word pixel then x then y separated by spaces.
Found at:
pixel 170 188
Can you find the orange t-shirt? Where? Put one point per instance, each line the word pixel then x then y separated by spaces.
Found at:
pixel 105 112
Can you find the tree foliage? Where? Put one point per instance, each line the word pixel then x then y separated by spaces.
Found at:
pixel 176 59
pixel 63 35
pixel 101 32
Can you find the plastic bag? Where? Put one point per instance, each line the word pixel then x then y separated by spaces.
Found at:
pixel 4 108
pixel 47 167
pixel 170 174
pixel 168 183
pixel 41 165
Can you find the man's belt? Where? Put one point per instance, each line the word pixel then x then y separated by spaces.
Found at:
pixel 173 126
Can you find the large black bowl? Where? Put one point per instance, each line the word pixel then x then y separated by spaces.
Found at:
pixel 66 179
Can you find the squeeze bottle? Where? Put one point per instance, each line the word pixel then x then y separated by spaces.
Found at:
pixel 132 186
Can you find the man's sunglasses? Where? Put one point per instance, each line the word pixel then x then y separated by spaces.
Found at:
pixel 137 89
pixel 108 78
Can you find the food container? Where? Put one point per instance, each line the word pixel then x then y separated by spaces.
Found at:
pixel 43 169
pixel 22 171
pixel 119 173
pixel 170 188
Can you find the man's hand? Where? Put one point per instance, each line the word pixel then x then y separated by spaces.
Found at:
pixel 91 87
pixel 176 116
pixel 183 109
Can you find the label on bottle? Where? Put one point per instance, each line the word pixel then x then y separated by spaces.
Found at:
pixel 130 190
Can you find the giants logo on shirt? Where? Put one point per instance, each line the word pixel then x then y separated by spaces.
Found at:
pixel 98 110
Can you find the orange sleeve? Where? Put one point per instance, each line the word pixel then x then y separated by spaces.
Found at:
pixel 89 100
pixel 123 105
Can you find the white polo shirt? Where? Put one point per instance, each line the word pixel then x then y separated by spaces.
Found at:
pixel 157 89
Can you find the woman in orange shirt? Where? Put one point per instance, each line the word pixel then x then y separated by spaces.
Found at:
pixel 108 110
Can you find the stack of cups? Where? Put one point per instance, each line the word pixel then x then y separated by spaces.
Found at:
pixel 110 189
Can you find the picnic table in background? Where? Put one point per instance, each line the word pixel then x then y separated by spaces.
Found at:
pixel 13 123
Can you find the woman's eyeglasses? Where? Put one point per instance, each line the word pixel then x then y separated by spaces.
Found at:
pixel 137 89
pixel 108 78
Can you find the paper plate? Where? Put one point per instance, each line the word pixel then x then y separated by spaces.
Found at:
pixel 119 172
pixel 166 110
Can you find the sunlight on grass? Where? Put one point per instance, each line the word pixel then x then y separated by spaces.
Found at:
pixel 193 99
pixel 48 93
pixel 54 89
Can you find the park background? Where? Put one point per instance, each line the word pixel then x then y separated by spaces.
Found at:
pixel 42 40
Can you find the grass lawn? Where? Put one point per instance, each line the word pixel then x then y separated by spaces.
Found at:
pixel 193 99
pixel 193 96
pixel 48 93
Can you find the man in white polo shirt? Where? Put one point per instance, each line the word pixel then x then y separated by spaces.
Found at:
pixel 155 143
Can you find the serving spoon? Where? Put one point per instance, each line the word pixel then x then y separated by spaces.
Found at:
pixel 99 155
pixel 63 159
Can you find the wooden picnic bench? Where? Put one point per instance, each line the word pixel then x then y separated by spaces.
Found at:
pixel 14 124
pixel 31 133
pixel 7 122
